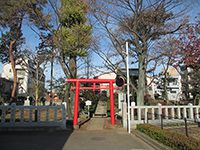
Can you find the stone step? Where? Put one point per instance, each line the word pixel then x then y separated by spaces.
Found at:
pixel 101 110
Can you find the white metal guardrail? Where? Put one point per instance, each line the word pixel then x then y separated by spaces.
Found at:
pixel 32 116
pixel 152 114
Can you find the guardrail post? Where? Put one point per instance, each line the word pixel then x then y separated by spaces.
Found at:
pixel 146 115
pixel 197 112
pixel 159 110
pixel 191 114
pixel 47 113
pixel 3 116
pixel 63 116
pixel 132 110
pixel 184 112
pixel 173 112
pixel 139 113
pixel 179 112
pixel 124 114
pixel 152 113
pixel 36 114
pixel 22 114
pixel 166 113
pixel 13 113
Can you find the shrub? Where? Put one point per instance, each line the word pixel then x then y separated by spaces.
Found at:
pixel 171 139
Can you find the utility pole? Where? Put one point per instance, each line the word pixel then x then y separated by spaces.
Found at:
pixel 37 88
pixel 128 89
pixel 51 82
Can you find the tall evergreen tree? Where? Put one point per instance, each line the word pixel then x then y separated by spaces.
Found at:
pixel 72 38
pixel 74 35
pixel 12 14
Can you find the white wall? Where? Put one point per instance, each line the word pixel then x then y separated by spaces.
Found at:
pixel 23 76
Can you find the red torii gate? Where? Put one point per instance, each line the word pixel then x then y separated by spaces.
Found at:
pixel 77 88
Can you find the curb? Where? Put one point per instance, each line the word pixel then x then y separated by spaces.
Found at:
pixel 153 143
pixel 22 129
pixel 78 126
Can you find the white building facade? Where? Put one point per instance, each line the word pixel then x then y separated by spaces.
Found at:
pixel 27 76
pixel 174 87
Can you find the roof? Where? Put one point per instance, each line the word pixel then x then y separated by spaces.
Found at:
pixel 172 71
pixel 132 71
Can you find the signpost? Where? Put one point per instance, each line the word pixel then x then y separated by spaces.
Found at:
pixel 88 103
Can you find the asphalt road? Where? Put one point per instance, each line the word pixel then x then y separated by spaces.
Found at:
pixel 33 140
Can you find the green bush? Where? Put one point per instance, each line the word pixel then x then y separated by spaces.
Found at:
pixel 171 139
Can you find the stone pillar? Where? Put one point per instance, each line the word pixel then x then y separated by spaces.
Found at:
pixel 124 114
pixel 191 113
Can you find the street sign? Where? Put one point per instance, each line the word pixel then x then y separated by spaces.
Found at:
pixel 88 103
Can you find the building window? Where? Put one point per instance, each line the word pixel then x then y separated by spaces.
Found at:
pixel 172 91
pixel 174 81
pixel 20 81
pixel 21 72
pixel 21 90
pixel 150 88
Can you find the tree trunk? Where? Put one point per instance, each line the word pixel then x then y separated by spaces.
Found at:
pixel 185 84
pixel 67 94
pixel 70 72
pixel 141 79
pixel 12 61
pixel 73 74
pixel 165 95
pixel 73 67
pixel 68 101
pixel 187 91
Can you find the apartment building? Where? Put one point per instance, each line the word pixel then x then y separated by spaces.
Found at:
pixel 28 74
pixel 174 87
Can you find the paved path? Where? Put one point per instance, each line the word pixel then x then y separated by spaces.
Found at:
pixel 93 136
pixel 95 124
pixel 104 140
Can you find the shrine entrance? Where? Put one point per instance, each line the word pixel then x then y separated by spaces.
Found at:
pixel 78 87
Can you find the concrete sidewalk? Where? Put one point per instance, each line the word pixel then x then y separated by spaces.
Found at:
pixel 104 140
pixel 95 124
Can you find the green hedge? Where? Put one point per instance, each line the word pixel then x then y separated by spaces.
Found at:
pixel 172 139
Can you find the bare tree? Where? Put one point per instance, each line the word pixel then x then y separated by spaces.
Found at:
pixel 141 23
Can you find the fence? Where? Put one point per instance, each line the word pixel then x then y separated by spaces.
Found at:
pixel 153 114
pixel 32 116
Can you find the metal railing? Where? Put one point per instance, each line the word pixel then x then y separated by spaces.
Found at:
pixel 152 114
pixel 32 116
